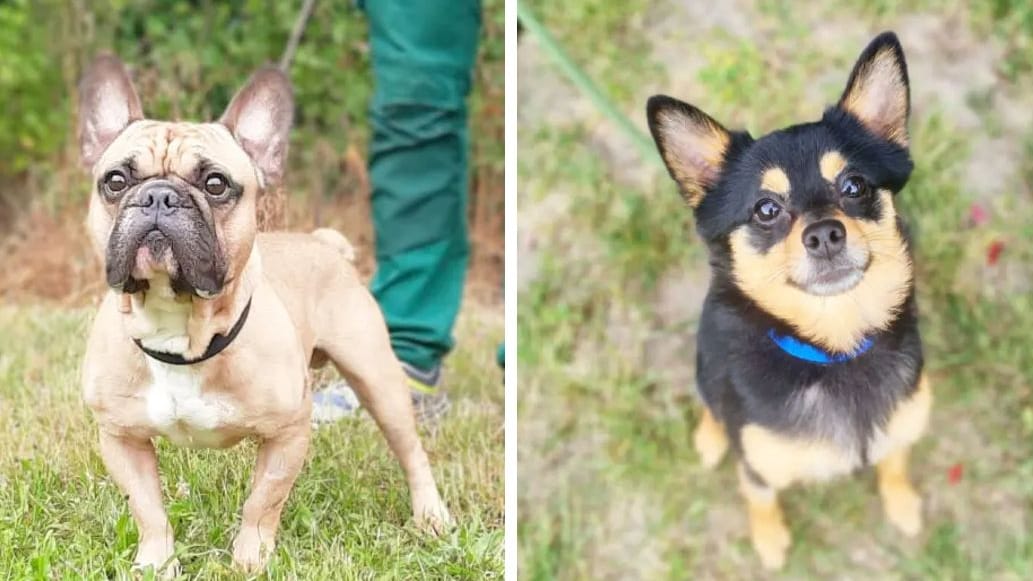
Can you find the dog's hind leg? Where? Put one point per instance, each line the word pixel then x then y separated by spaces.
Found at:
pixel 280 459
pixel 133 465
pixel 710 439
pixel 355 337
pixel 903 506
pixel 767 525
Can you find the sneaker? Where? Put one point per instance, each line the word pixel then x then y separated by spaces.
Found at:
pixel 333 403
pixel 337 400
pixel 429 400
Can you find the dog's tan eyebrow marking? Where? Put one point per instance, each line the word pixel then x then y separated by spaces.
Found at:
pixel 831 164
pixel 775 180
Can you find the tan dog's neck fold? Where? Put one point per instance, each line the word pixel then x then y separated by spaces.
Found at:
pixel 217 316
pixel 164 322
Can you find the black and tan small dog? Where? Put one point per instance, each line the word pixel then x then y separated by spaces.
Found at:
pixel 809 360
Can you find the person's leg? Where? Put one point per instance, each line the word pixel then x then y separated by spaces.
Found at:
pixel 423 55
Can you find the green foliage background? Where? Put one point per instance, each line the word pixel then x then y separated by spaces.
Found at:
pixel 189 56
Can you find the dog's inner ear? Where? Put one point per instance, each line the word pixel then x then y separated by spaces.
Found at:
pixel 692 145
pixel 108 103
pixel 877 93
pixel 259 117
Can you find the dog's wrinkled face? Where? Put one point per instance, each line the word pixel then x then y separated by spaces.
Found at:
pixel 178 199
pixel 805 216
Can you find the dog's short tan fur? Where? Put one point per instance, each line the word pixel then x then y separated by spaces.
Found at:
pixel 695 173
pixel 307 305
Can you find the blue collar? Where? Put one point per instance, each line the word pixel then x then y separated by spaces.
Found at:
pixel 813 353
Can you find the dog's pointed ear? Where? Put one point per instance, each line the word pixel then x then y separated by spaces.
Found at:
pixel 108 103
pixel 259 117
pixel 691 143
pixel 878 93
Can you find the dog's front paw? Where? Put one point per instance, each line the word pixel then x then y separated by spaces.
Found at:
pixel 903 506
pixel 156 553
pixel 433 517
pixel 710 441
pixel 711 447
pixel 250 552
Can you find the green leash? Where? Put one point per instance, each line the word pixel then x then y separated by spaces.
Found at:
pixel 645 146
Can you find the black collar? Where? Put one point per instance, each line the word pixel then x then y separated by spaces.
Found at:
pixel 219 342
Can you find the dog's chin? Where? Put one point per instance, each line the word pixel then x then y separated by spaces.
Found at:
pixel 153 257
pixel 153 260
pixel 831 282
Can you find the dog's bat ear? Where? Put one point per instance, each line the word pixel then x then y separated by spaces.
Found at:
pixel 259 117
pixel 878 93
pixel 691 143
pixel 108 103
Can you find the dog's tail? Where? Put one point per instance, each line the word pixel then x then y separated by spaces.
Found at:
pixel 337 240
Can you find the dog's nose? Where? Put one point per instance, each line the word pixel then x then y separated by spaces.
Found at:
pixel 168 198
pixel 161 199
pixel 824 239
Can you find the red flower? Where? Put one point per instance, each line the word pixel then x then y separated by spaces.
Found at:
pixel 977 214
pixel 954 473
pixel 993 252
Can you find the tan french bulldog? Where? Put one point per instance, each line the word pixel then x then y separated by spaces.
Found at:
pixel 209 328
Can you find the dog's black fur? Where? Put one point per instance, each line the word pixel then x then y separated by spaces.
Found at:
pixel 743 377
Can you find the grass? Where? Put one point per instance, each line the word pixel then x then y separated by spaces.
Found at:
pixel 610 486
pixel 348 516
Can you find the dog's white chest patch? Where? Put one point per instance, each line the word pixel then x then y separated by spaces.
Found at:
pixel 179 410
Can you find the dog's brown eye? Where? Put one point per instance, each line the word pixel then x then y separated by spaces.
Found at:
pixel 766 210
pixel 115 182
pixel 215 184
pixel 853 187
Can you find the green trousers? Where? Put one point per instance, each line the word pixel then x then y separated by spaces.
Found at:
pixel 423 55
